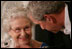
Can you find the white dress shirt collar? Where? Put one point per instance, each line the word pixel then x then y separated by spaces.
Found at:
pixel 67 29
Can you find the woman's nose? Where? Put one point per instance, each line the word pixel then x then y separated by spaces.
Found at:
pixel 23 33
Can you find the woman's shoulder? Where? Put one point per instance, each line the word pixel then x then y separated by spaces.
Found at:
pixel 44 45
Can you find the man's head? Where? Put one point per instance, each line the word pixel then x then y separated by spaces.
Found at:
pixel 49 14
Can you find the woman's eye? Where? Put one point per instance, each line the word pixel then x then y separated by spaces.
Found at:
pixel 26 28
pixel 17 30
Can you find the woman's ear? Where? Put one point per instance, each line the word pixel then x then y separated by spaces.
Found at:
pixel 10 32
pixel 48 18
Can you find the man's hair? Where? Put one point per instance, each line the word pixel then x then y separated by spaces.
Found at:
pixel 39 8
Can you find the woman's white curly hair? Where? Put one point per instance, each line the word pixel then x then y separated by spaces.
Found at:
pixel 16 12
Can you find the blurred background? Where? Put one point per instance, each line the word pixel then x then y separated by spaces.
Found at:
pixel 55 40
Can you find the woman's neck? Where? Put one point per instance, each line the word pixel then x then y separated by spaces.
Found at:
pixel 17 45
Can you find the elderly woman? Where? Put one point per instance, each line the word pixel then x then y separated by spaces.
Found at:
pixel 20 30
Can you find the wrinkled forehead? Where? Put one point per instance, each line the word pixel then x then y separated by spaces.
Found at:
pixel 20 22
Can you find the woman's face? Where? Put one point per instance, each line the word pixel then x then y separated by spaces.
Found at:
pixel 20 30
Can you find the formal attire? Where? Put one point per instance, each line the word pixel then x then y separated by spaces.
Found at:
pixel 62 38
pixel 67 29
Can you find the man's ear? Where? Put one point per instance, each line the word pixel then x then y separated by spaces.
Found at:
pixel 48 18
